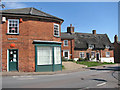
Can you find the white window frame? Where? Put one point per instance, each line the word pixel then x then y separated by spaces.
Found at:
pixel 57 55
pixel 17 26
pixel 107 54
pixel 92 55
pixel 64 43
pixel 58 30
pixel 91 46
pixel 64 53
pixel 107 46
pixel 38 61
pixel 82 54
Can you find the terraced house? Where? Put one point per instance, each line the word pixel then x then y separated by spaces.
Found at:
pixel 90 46
pixel 31 40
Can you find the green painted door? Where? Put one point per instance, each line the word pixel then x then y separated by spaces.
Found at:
pixel 13 60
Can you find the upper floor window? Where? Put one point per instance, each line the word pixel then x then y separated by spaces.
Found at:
pixel 65 42
pixel 56 29
pixel 107 46
pixel 13 26
pixel 91 46
pixel 107 54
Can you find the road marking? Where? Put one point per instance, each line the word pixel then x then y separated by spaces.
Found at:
pixel 101 84
pixel 60 74
pixel 25 78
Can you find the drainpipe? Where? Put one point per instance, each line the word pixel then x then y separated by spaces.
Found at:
pixel 71 50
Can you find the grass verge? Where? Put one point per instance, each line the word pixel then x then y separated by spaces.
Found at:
pixel 91 64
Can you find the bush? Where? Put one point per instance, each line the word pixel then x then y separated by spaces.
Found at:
pixel 86 59
pixel 63 67
pixel 64 59
pixel 71 60
pixel 82 59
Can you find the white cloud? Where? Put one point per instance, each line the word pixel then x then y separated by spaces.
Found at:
pixel 14 5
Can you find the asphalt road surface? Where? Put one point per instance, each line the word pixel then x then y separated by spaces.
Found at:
pixel 106 77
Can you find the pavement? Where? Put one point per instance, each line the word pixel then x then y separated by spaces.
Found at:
pixel 60 72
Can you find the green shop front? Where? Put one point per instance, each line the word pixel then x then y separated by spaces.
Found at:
pixel 47 56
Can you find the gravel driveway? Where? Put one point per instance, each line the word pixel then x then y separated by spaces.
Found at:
pixel 72 66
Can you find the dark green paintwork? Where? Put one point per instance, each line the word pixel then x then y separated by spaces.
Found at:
pixel 53 58
pixel 43 68
pixel 47 68
pixel 13 66
pixel 57 67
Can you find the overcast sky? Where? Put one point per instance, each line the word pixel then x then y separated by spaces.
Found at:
pixel 85 16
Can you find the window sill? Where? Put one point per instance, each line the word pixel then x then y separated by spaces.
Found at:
pixel 65 46
pixel 12 34
pixel 44 64
pixel 57 36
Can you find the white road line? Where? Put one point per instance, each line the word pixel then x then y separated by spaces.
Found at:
pixel 25 78
pixel 101 84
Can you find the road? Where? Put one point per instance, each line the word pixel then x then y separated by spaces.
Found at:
pixel 106 77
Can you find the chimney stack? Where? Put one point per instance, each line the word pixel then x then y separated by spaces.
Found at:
pixel 115 38
pixel 94 32
pixel 70 29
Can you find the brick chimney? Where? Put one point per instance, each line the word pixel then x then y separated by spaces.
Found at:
pixel 115 38
pixel 70 29
pixel 94 32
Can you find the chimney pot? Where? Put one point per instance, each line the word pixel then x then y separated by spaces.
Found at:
pixel 94 32
pixel 115 38
pixel 70 29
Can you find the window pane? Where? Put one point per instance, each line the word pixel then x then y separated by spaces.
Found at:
pixel 56 29
pixel 81 54
pixel 44 55
pixel 66 54
pixel 66 42
pixel 57 55
pixel 13 25
pixel 107 54
pixel 92 54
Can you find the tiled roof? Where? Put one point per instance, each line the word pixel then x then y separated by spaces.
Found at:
pixel 29 11
pixel 82 40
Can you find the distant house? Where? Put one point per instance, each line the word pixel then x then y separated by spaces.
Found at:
pixel 117 49
pixel 30 40
pixel 91 46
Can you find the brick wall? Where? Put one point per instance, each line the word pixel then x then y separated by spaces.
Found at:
pixel 117 52
pixel 30 29
pixel 101 52
pixel 76 53
pixel 70 47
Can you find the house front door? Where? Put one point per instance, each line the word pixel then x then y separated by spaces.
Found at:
pixel 88 56
pixel 97 56
pixel 66 54
pixel 13 60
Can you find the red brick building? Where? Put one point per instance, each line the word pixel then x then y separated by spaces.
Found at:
pixel 91 46
pixel 116 50
pixel 30 40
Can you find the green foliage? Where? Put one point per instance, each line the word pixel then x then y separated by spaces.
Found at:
pixel 63 67
pixel 64 59
pixel 91 63
pixel 71 60
pixel 82 59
